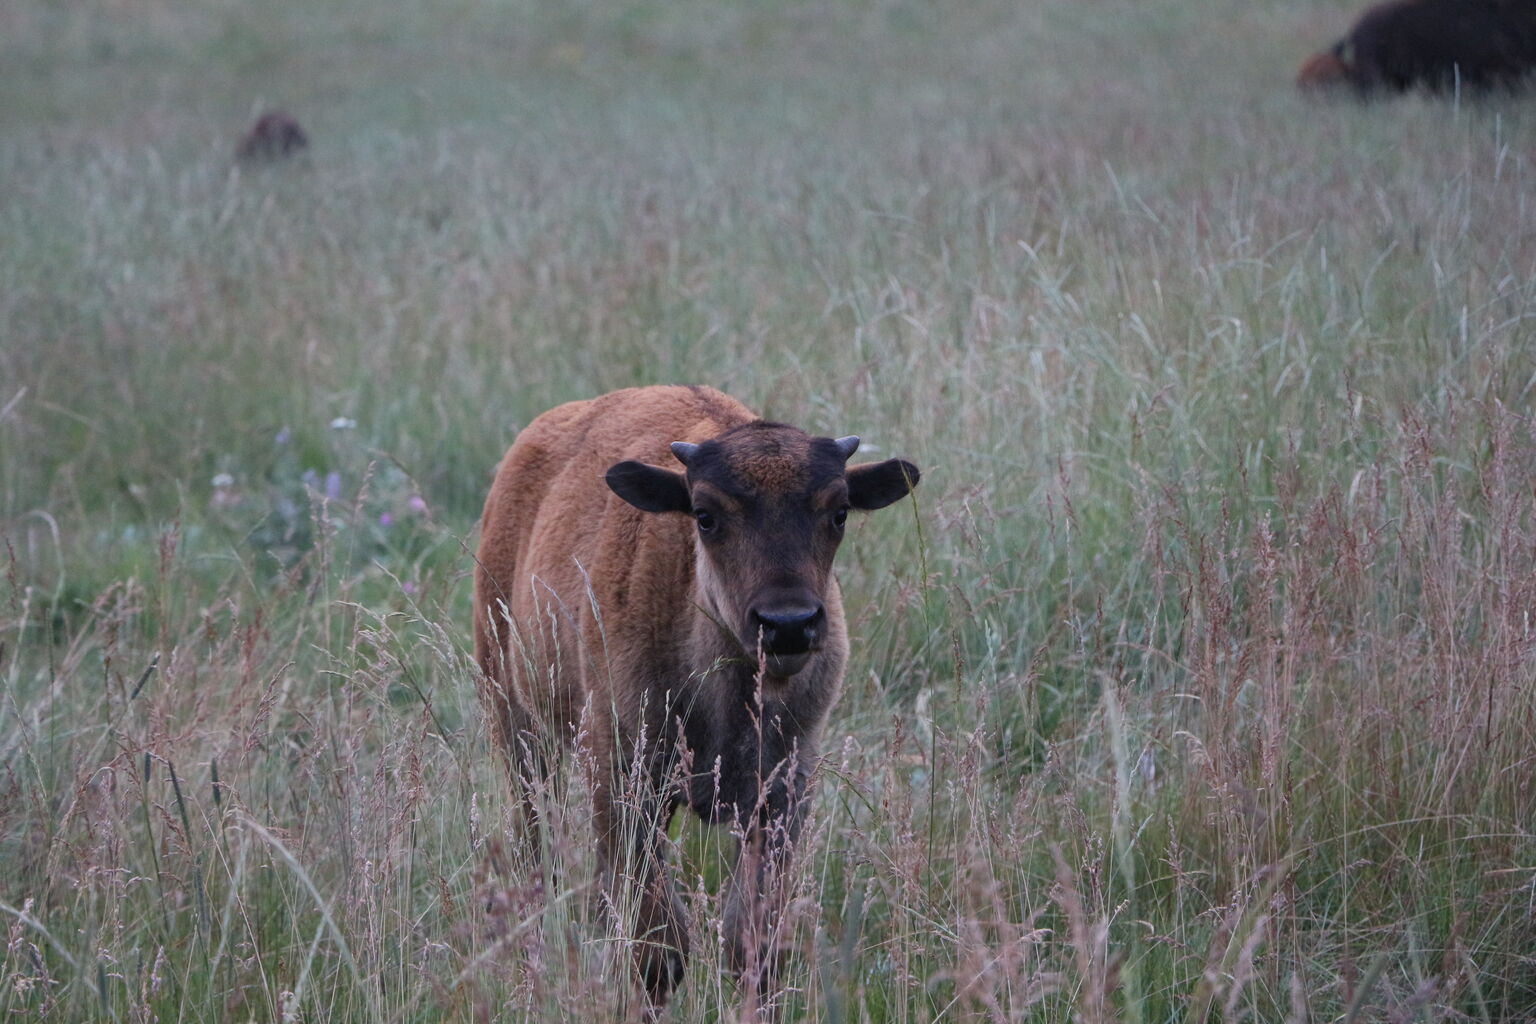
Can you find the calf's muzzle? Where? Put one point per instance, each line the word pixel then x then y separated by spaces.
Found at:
pixel 792 629
pixel 786 632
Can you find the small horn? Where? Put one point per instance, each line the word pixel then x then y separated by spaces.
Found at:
pixel 685 451
pixel 847 445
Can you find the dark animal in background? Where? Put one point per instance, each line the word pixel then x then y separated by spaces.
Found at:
pixel 687 623
pixel 276 134
pixel 1441 45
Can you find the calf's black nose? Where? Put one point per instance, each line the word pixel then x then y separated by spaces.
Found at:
pixel 789 629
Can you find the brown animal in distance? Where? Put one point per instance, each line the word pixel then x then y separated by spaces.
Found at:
pixel 275 135
pixel 688 623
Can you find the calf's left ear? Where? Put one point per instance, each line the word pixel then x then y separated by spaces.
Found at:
pixel 877 484
pixel 649 488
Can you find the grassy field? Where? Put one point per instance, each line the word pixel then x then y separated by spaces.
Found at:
pixel 1199 682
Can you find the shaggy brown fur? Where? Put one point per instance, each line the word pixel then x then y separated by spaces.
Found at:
pixel 1441 45
pixel 688 623
pixel 274 135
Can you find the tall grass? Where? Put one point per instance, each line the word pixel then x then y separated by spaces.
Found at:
pixel 1196 684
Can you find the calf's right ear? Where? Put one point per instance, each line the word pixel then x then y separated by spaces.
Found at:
pixel 649 488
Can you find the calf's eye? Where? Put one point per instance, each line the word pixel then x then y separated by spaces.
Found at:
pixel 705 520
pixel 840 517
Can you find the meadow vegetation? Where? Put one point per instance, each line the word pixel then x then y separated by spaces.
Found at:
pixel 1197 684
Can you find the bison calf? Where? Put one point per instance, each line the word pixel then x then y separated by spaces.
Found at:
pixel 687 622
pixel 1438 44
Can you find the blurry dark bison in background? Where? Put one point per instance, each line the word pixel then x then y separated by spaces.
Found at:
pixel 274 135
pixel 1441 45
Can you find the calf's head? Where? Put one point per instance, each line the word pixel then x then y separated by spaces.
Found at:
pixel 769 503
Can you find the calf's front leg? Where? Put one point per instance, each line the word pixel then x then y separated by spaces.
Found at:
pixel 632 817
pixel 760 885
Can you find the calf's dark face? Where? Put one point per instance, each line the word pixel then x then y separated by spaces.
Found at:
pixel 769 504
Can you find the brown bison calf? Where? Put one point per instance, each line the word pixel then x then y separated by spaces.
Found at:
pixel 1438 44
pixel 687 622
pixel 274 135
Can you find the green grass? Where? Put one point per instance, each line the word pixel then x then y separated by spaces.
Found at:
pixel 1196 685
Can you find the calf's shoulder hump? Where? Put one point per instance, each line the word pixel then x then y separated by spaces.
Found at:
pixel 635 423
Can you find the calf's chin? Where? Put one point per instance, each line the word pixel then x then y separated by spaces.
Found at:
pixel 786 666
